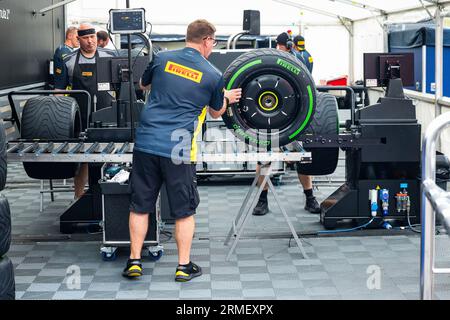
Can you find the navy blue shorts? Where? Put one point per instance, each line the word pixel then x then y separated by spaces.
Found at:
pixel 148 174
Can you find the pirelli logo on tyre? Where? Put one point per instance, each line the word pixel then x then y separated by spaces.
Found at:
pixel 183 71
pixel 288 66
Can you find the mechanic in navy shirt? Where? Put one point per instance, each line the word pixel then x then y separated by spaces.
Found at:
pixel 301 52
pixel 184 88
pixel 70 44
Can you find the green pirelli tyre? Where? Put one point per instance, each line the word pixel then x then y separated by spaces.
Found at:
pixel 278 98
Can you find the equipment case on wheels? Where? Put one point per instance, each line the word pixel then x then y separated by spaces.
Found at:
pixel 116 212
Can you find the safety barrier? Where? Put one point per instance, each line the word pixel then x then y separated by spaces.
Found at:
pixel 435 201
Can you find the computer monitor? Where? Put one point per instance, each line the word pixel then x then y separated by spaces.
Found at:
pixel 380 68
pixel 114 70
pixel 127 21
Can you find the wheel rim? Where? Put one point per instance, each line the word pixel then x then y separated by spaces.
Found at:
pixel 269 102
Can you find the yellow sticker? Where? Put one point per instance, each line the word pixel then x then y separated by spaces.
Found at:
pixel 86 74
pixel 310 59
pixel 183 71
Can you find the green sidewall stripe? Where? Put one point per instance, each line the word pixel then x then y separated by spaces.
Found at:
pixel 245 67
pixel 308 116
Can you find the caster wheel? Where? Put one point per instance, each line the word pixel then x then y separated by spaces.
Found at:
pixel 155 256
pixel 109 256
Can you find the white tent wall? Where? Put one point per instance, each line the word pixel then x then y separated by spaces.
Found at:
pixel 330 49
pixel 368 36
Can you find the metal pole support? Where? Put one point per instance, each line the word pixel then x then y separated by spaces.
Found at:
pixel 434 200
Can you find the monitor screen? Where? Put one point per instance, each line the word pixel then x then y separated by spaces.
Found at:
pixel 379 68
pixel 114 70
pixel 127 21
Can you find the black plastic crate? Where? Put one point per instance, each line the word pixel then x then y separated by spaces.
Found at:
pixel 116 212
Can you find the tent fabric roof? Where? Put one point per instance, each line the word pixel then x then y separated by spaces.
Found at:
pixel 229 13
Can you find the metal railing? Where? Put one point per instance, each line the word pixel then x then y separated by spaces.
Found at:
pixel 435 202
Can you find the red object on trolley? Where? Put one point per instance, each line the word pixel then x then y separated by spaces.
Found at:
pixel 340 81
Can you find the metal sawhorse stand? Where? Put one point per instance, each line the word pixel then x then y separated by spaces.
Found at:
pixel 244 212
pixel 434 200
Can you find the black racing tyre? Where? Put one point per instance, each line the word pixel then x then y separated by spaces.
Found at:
pixel 7 283
pixel 5 225
pixel 278 97
pixel 3 164
pixel 52 118
pixel 325 122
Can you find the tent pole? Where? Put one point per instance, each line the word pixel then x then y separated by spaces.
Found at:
pixel 439 65
pixel 351 71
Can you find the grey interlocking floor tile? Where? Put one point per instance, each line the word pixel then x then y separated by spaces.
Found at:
pixel 260 268
pixel 259 293
pixel 99 295
pixel 195 294
pixel 255 277
pixel 164 295
pixel 41 287
pixel 38 295
pixel 226 285
pixel 132 295
pixel 69 295
pixel 286 284
pixel 246 270
pixel 256 284
pixel 49 279
pixel 282 269
pixel 221 294
pixel 24 279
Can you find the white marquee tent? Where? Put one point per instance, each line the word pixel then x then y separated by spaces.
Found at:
pixel 337 32
pixel 331 27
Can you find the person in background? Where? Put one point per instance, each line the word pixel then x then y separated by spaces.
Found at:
pixel 70 44
pixel 285 43
pixel 102 39
pixel 79 72
pixel 301 52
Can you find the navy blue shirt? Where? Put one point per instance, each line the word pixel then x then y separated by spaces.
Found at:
pixel 183 85
pixel 304 57
pixel 61 52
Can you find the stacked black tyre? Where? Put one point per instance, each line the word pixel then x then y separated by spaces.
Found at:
pixel 7 283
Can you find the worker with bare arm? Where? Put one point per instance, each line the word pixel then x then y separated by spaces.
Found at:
pixel 184 88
